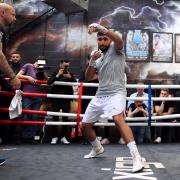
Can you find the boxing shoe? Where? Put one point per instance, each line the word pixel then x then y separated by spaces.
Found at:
pixel 95 152
pixel 54 140
pixel 64 141
pixel 138 164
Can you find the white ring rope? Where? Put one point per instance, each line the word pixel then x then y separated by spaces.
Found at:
pixel 132 86
pixel 65 96
pixel 113 124
pixel 156 118
pixel 173 116
pixel 73 115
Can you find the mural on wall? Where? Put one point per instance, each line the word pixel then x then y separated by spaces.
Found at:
pixel 64 37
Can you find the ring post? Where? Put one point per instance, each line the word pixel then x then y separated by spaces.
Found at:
pixel 149 104
pixel 78 118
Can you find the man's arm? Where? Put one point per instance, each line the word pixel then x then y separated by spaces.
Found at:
pixel 170 111
pixel 118 42
pixel 130 113
pixel 22 75
pixel 91 71
pixel 5 67
pixel 159 109
pixel 7 70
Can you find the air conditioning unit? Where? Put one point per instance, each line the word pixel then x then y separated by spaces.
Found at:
pixel 69 6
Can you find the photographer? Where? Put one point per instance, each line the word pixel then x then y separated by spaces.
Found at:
pixel 32 73
pixel 61 74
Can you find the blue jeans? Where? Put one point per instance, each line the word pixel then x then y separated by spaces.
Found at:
pixel 138 132
pixel 32 103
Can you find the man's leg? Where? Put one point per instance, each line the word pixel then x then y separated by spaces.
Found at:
pixel 89 132
pixel 127 135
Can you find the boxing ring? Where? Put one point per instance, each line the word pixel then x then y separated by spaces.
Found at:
pixel 44 161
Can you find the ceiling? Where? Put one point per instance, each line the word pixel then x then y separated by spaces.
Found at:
pixel 69 6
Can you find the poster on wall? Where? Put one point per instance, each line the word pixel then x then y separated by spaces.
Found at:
pixel 177 48
pixel 162 47
pixel 137 45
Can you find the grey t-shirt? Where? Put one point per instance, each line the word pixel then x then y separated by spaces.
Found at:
pixel 111 72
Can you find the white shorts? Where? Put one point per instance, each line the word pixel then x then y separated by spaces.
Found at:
pixel 107 105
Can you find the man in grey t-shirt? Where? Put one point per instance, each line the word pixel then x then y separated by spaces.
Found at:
pixel 110 99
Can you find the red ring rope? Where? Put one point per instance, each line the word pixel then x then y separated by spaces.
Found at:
pixel 24 94
pixel 27 111
pixel 26 81
pixel 22 122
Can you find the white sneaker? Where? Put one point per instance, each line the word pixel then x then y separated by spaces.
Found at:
pixel 105 141
pixel 121 141
pixel 158 140
pixel 138 164
pixel 54 140
pixel 94 152
pixel 64 140
pixel 99 138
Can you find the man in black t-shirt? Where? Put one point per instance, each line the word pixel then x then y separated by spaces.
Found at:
pixel 61 74
pixel 138 109
pixel 162 108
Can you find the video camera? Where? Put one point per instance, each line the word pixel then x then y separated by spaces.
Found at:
pixel 41 65
pixel 65 71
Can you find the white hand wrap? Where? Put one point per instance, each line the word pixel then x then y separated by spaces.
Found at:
pixel 99 28
pixel 92 63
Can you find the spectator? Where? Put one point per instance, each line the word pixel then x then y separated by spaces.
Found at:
pixel 162 108
pixel 177 110
pixel 32 72
pixel 138 109
pixel 140 93
pixel 61 74
pixel 15 62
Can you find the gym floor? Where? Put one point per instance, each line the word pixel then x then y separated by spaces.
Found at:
pixel 65 162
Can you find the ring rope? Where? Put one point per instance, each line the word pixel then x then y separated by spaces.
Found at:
pixel 65 96
pixel 90 97
pixel 50 123
pixel 50 113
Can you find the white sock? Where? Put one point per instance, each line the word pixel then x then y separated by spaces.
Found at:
pixel 95 143
pixel 133 149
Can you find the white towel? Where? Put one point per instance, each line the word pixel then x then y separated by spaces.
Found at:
pixel 15 108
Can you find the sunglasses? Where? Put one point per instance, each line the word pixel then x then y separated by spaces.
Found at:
pixel 102 38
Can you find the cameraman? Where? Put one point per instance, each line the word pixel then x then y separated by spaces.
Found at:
pixel 32 73
pixel 61 74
